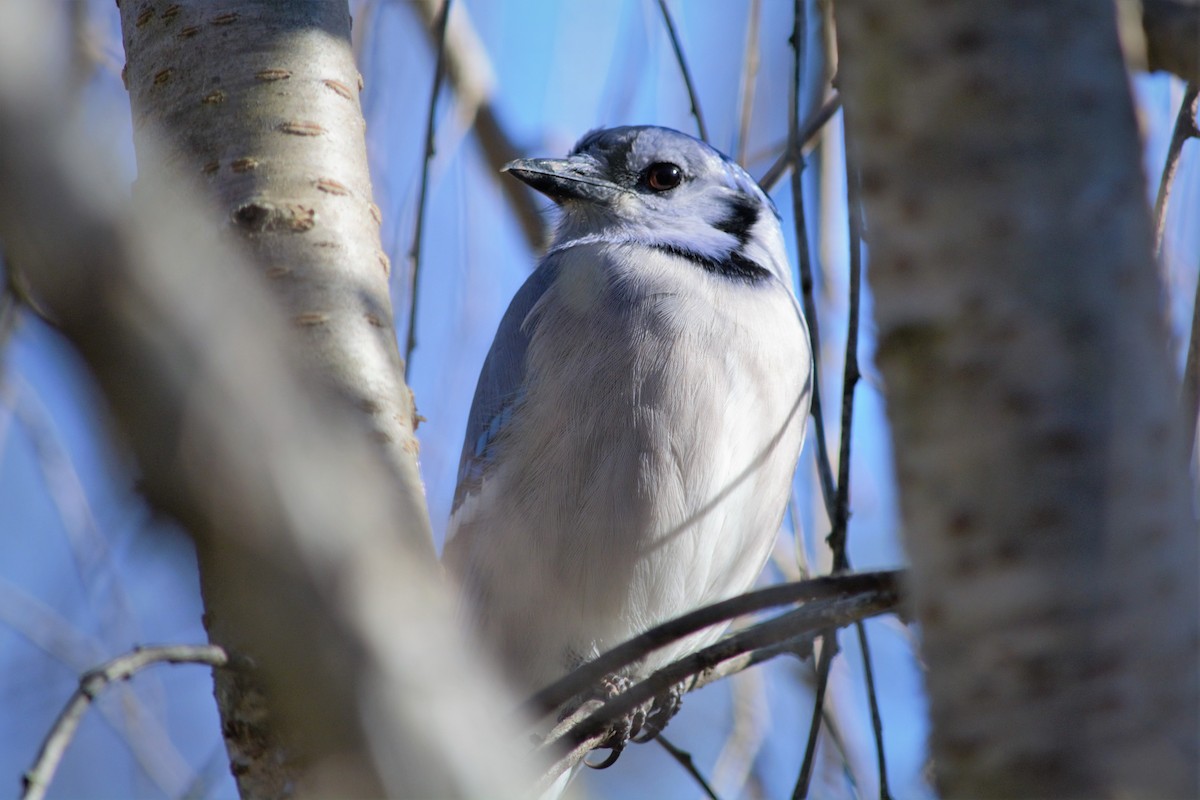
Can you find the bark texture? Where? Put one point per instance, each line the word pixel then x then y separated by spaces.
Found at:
pixel 1042 472
pixel 292 506
pixel 259 101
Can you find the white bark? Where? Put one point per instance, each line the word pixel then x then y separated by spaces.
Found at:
pixel 1041 463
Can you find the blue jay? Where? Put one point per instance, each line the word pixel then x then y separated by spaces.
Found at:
pixel 636 426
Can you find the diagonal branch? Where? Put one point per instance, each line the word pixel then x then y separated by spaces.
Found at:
pixel 685 760
pixel 683 68
pixel 37 780
pixel 786 633
pixel 793 153
pixel 588 674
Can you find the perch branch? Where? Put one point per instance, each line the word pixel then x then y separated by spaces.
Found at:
pixel 587 675
pixel 789 632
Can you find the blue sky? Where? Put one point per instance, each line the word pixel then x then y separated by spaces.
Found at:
pixel 86 571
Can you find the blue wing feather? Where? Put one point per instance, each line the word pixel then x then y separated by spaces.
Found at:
pixel 500 384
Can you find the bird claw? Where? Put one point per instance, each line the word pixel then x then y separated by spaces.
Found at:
pixel 662 709
pixel 641 725
pixel 623 730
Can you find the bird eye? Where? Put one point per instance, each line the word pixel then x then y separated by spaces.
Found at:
pixel 663 176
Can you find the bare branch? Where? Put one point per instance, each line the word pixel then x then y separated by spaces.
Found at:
pixel 292 507
pixel 686 761
pixel 683 69
pixel 829 648
pixel 37 780
pixel 128 716
pixel 794 153
pixel 824 473
pixel 787 633
pixel 876 719
pixel 1185 128
pixel 850 372
pixel 414 253
pixel 587 675
pixel 470 74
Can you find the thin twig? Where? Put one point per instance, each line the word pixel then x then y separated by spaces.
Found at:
pixel 37 780
pixel 749 78
pixel 824 472
pixel 850 372
pixel 685 760
pixel 806 271
pixel 471 76
pixel 794 153
pixel 1185 128
pixel 128 715
pixel 876 719
pixel 850 380
pixel 414 254
pixel 683 68
pixel 587 675
pixel 828 648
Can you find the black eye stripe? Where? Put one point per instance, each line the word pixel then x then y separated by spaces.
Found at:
pixel 734 267
pixel 743 214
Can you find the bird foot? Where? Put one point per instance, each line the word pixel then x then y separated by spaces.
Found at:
pixel 662 709
pixel 623 730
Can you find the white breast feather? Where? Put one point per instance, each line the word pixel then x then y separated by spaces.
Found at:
pixel 651 482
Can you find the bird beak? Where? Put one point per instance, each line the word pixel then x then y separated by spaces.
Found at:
pixel 564 179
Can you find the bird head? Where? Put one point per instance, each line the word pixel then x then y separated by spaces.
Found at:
pixel 663 189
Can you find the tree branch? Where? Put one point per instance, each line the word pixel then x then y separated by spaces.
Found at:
pixel 685 760
pixel 470 74
pixel 589 674
pixel 37 780
pixel 793 152
pixel 289 501
pixel 683 68
pixel 789 632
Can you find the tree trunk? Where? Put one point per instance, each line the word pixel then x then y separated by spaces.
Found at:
pixel 1042 468
pixel 260 101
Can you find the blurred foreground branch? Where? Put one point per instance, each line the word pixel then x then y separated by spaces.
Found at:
pixel 286 496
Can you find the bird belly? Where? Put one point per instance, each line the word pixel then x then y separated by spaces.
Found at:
pixel 651 484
